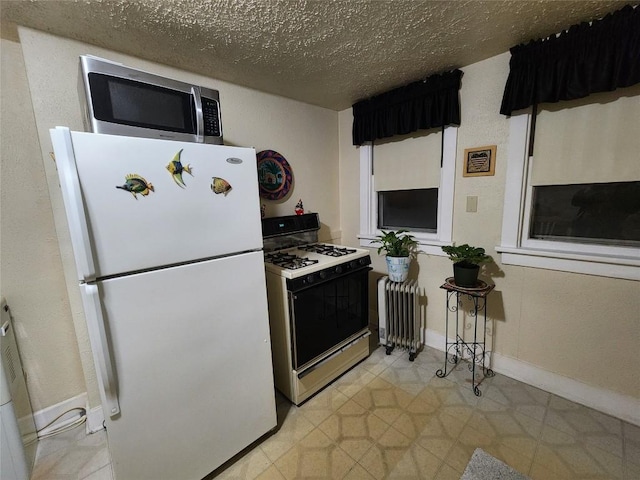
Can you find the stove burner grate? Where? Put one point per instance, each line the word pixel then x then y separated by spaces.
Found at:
pixel 330 250
pixel 298 263
pixel 288 260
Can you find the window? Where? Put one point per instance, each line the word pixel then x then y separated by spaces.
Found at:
pixel 574 205
pixel 415 210
pixel 407 183
pixel 596 213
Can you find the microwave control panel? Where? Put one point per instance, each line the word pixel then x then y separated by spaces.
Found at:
pixel 211 116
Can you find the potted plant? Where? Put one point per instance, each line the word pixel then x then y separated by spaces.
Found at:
pixel 466 263
pixel 399 247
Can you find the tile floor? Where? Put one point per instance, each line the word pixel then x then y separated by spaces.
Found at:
pixel 391 418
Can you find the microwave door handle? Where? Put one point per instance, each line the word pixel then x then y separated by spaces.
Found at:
pixel 197 100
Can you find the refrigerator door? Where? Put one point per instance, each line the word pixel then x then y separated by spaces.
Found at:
pixel 192 357
pixel 130 209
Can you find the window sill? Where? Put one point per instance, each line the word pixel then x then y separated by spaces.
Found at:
pixel 601 265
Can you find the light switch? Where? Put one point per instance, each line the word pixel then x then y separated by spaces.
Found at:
pixel 472 204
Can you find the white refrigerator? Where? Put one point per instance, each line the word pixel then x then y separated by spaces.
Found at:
pixel 168 247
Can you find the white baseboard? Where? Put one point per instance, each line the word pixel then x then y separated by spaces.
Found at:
pixel 95 417
pixel 43 417
pixel 621 406
pixel 624 407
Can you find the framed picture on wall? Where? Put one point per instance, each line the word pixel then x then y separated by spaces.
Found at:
pixel 479 161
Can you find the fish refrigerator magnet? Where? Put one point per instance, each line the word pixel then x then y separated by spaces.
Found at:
pixel 220 185
pixel 176 168
pixel 135 184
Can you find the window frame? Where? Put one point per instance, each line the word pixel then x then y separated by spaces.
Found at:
pixel 516 248
pixel 430 243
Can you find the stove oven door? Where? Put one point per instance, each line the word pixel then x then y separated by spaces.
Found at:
pixel 326 314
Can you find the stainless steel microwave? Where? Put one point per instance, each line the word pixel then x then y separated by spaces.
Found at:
pixel 119 100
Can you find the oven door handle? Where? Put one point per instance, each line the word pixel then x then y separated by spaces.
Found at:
pixel 292 325
pixel 307 287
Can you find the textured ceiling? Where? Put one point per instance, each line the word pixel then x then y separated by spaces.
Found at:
pixel 323 52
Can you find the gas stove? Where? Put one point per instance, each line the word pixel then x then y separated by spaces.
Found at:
pixel 318 305
pixel 292 250
pixel 315 262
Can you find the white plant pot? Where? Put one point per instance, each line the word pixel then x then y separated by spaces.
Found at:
pixel 398 268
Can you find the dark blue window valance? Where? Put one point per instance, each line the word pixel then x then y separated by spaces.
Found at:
pixel 433 102
pixel 588 58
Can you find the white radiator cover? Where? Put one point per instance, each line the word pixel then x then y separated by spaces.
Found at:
pixel 399 315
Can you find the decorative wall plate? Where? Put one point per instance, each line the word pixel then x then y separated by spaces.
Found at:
pixel 274 175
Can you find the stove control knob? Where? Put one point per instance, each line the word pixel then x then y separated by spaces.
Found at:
pixel 353 263
pixel 309 279
pixel 338 269
pixel 323 275
pixel 363 261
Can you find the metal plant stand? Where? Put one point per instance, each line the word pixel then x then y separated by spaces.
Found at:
pixel 454 349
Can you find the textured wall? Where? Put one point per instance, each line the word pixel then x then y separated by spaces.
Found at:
pixel 579 326
pixel 30 264
pixel 305 135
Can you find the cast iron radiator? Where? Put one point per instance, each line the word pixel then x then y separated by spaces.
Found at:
pixel 399 315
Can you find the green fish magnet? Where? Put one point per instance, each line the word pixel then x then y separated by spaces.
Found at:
pixel 136 184
pixel 176 168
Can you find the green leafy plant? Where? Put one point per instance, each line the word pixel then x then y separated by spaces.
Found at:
pixel 466 254
pixel 397 244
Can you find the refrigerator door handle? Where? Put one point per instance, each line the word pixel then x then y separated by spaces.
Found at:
pixel 102 354
pixel 74 202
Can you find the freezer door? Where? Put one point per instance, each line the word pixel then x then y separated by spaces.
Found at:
pixel 131 208
pixel 192 358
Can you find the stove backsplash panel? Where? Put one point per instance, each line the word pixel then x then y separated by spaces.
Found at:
pixel 290 231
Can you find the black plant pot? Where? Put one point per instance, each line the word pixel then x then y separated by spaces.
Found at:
pixel 465 274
